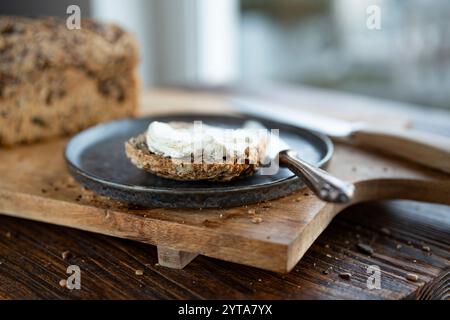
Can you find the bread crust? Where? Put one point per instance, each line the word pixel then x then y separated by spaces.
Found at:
pixel 137 151
pixel 30 44
pixel 55 81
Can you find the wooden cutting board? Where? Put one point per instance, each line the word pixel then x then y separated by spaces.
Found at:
pixel 35 184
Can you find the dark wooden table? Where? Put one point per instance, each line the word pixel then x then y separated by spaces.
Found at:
pixel 31 263
pixel 407 238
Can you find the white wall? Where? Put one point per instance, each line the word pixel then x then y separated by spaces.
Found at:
pixel 135 16
pixel 182 42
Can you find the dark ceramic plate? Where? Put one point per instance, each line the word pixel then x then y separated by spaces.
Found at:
pixel 96 158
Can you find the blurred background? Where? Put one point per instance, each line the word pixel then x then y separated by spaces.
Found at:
pixel 321 43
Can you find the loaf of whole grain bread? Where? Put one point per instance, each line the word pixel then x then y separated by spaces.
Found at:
pixel 56 81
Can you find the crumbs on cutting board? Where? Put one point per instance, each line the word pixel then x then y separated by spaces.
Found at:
pixel 68 185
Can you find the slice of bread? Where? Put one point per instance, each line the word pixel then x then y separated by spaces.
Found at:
pixel 138 152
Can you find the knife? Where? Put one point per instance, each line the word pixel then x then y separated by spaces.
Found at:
pixel 428 149
pixel 326 186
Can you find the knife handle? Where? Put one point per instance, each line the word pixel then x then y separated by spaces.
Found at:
pixel 323 184
pixel 429 149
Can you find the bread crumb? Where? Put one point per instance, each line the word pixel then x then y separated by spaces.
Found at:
pixel 345 275
pixel 426 248
pixel 139 272
pixel 63 283
pixel 251 211
pixel 257 220
pixel 412 277
pixel 364 248
pixel 66 255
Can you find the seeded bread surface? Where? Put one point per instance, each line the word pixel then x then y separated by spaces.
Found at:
pixel 139 154
pixel 56 81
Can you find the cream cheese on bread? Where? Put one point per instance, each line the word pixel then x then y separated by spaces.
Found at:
pixel 181 140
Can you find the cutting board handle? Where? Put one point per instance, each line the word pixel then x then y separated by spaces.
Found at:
pixel 429 149
pixel 432 191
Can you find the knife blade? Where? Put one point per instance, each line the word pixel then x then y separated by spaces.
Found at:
pixel 335 128
pixel 425 148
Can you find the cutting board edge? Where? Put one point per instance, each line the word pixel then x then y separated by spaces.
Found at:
pixel 43 209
